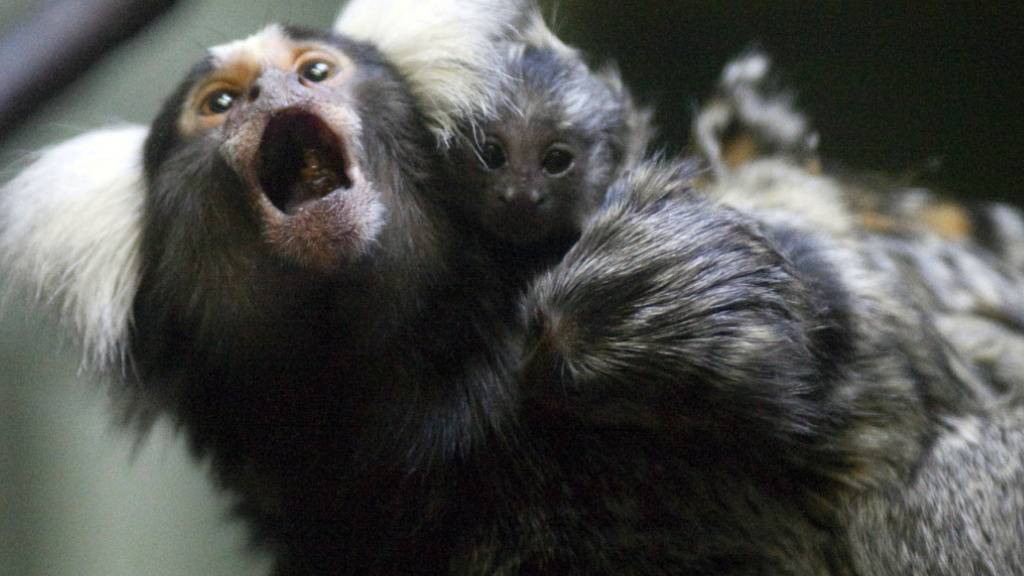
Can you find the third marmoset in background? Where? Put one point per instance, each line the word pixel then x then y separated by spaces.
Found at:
pixel 963 262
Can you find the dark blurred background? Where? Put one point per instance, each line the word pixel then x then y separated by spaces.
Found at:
pixel 933 88
pixel 930 88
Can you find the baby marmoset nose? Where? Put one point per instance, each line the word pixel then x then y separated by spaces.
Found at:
pixel 522 198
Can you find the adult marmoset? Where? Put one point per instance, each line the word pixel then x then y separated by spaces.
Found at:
pixel 802 362
pixel 293 289
pixel 285 253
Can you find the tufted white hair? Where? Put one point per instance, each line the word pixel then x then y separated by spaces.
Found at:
pixel 449 50
pixel 70 233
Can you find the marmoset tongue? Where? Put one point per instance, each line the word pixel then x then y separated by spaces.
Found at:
pixel 315 181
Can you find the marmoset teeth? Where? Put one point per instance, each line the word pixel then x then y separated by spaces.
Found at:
pixel 315 174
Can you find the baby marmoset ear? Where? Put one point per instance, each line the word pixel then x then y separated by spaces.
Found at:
pixel 70 235
pixel 638 130
pixel 639 119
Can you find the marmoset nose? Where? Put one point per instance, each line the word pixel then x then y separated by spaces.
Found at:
pixel 521 199
pixel 277 88
pixel 254 92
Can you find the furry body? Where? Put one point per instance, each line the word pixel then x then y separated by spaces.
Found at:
pixel 962 262
pixel 293 359
pixel 724 382
pixel 961 510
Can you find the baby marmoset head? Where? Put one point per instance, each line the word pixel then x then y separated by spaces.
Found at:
pixel 561 133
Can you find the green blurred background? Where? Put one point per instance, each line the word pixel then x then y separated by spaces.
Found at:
pixel 924 88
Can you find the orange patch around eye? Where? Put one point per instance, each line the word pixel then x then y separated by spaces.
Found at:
pixel 240 63
pixel 237 65
pixel 342 65
pixel 236 77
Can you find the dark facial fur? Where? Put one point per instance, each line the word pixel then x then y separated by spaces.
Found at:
pixel 531 174
pixel 216 217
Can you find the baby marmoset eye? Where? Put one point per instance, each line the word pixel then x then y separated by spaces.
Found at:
pixel 557 161
pixel 493 156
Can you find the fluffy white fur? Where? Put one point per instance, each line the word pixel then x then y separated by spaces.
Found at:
pixel 262 47
pixel 70 228
pixel 448 49
pixel 536 33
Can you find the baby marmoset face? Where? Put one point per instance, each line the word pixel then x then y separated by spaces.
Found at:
pixel 534 171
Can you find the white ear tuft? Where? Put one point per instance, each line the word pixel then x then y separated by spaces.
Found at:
pixel 448 49
pixel 70 231
pixel 536 32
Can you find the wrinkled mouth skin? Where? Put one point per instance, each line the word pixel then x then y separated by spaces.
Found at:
pixel 301 160
pixel 303 180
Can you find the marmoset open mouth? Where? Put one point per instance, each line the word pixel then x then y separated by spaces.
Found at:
pixel 301 160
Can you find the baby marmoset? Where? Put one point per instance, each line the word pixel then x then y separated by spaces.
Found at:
pixel 561 133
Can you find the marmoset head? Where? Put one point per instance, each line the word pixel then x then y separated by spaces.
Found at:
pixel 273 130
pixel 274 172
pixel 560 135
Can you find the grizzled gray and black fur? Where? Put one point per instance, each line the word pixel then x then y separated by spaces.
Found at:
pixel 962 511
pixel 730 381
pixel 802 363
pixel 964 263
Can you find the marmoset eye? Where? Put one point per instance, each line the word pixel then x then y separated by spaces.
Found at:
pixel 218 102
pixel 317 71
pixel 557 161
pixel 493 155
